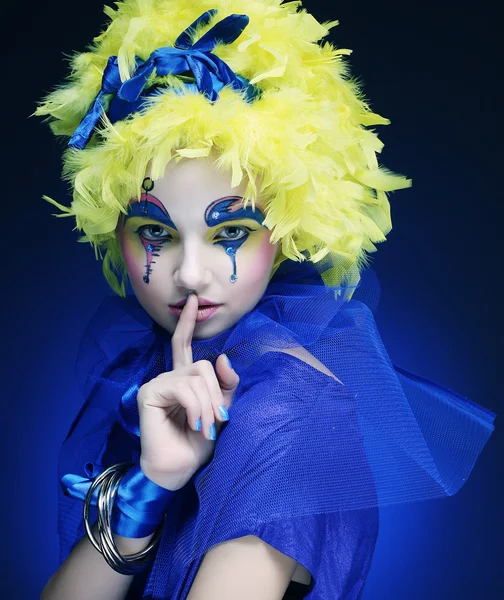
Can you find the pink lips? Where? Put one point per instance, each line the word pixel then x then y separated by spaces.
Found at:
pixel 204 312
pixel 201 302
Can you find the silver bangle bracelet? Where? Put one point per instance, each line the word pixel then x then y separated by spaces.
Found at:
pixel 108 482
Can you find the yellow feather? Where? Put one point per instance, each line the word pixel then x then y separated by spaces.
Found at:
pixel 194 152
pixel 303 146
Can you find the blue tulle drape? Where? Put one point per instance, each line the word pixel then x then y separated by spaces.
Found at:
pixel 318 450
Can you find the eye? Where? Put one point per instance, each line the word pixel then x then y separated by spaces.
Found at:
pixel 234 230
pixel 154 232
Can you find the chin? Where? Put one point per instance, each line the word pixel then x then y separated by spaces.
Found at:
pixel 203 331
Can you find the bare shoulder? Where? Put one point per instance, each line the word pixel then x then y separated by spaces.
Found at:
pixel 307 357
pixel 247 568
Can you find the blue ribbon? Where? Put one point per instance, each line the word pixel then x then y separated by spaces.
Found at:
pixel 139 506
pixel 210 73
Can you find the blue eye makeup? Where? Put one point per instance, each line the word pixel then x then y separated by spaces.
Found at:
pixel 149 233
pixel 244 230
pixel 146 232
pixel 231 237
pixel 149 207
pixel 226 209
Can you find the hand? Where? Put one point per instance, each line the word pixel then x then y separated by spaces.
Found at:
pixel 169 405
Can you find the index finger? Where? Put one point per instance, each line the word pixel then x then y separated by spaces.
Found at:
pixel 182 336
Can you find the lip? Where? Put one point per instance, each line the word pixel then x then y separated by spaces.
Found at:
pixel 204 313
pixel 201 302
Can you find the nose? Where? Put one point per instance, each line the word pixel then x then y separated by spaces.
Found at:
pixel 191 272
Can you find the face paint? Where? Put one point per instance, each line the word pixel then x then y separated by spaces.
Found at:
pixel 150 207
pixel 194 255
pixel 227 209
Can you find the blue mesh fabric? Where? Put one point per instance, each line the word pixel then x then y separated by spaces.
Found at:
pixel 320 456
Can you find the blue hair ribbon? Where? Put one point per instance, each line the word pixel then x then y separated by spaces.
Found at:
pixel 210 73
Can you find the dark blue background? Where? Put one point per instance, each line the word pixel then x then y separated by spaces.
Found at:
pixel 434 69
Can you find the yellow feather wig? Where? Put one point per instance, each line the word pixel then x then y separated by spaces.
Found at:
pixel 303 146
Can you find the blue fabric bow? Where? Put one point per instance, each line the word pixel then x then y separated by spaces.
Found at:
pixel 139 505
pixel 210 73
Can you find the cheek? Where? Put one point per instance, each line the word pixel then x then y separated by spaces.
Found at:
pixel 260 257
pixel 134 256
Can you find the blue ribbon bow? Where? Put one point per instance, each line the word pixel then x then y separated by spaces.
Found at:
pixel 211 74
pixel 139 505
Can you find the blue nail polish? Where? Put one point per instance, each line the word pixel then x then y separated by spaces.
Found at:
pixel 228 361
pixel 213 433
pixel 198 424
pixel 223 411
pixel 188 295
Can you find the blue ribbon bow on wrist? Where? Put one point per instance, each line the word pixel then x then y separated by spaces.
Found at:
pixel 210 73
pixel 139 505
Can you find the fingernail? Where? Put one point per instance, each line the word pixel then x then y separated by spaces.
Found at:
pixel 188 295
pixel 198 424
pixel 224 412
pixel 213 432
pixel 228 361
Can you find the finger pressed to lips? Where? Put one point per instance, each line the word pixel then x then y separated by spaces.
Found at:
pixel 204 309
pixel 182 336
pixel 204 385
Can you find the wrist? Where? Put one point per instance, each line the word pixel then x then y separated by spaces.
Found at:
pixel 140 505
pixel 127 546
pixel 171 482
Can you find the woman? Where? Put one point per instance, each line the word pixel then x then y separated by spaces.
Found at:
pixel 218 149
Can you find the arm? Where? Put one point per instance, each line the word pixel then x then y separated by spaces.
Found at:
pixel 247 568
pixel 85 574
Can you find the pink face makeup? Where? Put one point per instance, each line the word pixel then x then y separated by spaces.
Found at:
pixel 149 207
pixel 189 231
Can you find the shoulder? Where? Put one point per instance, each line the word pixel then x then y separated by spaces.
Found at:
pixel 118 312
pixel 281 390
pixel 116 322
pixel 246 567
pixel 306 357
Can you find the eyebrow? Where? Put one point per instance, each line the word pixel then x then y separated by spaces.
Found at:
pixel 149 207
pixel 228 208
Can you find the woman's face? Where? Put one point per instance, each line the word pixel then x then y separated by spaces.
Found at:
pixel 190 232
